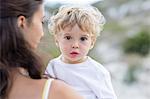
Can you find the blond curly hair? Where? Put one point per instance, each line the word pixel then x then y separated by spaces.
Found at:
pixel 88 18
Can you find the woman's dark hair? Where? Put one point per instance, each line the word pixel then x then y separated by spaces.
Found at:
pixel 14 50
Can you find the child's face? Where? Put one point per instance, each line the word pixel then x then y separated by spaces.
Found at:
pixel 74 44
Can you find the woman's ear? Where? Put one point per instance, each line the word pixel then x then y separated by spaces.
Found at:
pixel 21 22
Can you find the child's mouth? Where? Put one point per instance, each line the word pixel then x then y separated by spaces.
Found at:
pixel 74 54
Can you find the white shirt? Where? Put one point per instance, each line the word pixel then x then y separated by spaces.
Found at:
pixel 89 78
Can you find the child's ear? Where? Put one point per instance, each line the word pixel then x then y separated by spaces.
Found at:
pixel 93 42
pixel 21 22
pixel 56 41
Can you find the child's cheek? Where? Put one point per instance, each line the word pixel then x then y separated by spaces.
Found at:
pixel 66 48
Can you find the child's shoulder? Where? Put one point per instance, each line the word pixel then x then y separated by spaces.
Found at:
pixel 54 60
pixel 98 66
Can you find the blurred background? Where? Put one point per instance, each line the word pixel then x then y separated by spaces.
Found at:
pixel 123 47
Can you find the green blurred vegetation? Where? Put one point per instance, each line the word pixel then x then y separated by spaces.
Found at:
pixel 139 44
pixel 114 27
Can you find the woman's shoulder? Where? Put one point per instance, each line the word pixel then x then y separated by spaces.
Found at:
pixel 61 90
pixel 50 88
pixel 57 89
pixel 58 86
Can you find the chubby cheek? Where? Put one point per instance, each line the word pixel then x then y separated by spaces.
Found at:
pixel 64 48
pixel 85 49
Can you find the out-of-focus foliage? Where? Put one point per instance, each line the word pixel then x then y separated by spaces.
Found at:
pixel 139 44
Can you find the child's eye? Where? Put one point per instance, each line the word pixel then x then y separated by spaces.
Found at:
pixel 83 38
pixel 67 37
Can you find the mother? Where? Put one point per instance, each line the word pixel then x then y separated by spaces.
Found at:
pixel 20 68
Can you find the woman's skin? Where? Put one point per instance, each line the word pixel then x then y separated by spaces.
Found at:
pixel 26 88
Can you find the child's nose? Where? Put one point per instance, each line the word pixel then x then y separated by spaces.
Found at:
pixel 75 45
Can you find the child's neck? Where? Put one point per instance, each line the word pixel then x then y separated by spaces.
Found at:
pixel 74 62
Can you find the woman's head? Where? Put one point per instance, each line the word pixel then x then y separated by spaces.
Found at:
pixel 33 30
pixel 88 18
pixel 20 32
pixel 19 16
